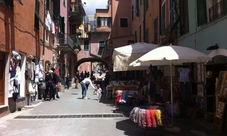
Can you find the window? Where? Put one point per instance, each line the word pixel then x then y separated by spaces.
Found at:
pixel 184 23
pixel 46 35
pixel 146 35
pixel 132 12
pixel 140 33
pixel 123 22
pixel 86 45
pixel 104 21
pixel 163 16
pixel 135 36
pixel 156 30
pixel 36 23
pixel 47 5
pixel 171 7
pixel 64 3
pixel 218 9
pixel 201 11
pixel 137 8
pixel 146 4
pixel 101 47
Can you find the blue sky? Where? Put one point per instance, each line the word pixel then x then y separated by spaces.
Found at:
pixel 92 5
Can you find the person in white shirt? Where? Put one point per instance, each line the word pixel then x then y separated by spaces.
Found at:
pixel 84 88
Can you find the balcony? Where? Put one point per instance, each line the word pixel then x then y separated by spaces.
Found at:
pixel 217 10
pixel 76 12
pixel 66 43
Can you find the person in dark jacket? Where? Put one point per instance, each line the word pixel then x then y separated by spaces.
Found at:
pixel 56 81
pixel 68 80
pixel 49 85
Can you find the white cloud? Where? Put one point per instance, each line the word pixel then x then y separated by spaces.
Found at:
pixel 92 5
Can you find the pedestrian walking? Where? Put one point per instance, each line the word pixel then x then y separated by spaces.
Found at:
pixel 68 80
pixel 98 91
pixel 56 81
pixel 49 86
pixel 77 79
pixel 84 88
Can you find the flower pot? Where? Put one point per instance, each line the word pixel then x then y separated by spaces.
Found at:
pixel 19 109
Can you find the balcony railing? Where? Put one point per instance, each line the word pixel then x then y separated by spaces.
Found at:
pixel 75 8
pixel 217 11
pixel 8 3
pixel 65 40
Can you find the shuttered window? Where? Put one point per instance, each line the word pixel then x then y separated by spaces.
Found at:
pixel 201 11
pixel 86 45
pixel 36 23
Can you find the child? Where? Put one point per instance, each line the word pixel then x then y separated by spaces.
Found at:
pixel 98 91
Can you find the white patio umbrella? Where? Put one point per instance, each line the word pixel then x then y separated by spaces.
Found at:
pixel 172 54
pixel 123 56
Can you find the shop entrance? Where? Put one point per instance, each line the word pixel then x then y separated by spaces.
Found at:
pixel 213 68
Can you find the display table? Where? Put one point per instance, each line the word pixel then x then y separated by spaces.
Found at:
pixel 130 89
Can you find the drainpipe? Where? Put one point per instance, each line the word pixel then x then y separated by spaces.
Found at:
pixel 44 29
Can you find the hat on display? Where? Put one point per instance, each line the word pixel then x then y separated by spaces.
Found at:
pixel 15 54
pixel 18 57
pixel 209 74
pixel 30 56
pixel 50 71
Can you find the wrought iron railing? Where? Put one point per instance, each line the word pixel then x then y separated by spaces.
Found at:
pixel 217 11
pixel 8 3
pixel 65 39
pixel 75 6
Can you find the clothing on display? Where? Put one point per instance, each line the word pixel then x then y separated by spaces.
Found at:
pixel 152 116
pixel 184 83
pixel 30 69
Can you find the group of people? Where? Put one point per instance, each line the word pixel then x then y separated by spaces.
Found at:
pixel 52 81
pixel 85 82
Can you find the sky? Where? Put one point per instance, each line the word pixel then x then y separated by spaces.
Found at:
pixel 92 5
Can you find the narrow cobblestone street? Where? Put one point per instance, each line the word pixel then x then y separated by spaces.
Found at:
pixel 73 116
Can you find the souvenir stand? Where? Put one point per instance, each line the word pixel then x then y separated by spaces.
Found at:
pixel 221 96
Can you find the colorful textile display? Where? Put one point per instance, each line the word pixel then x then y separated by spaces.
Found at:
pixel 151 117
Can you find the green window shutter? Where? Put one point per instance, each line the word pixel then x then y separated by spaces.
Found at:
pixel 47 4
pixel 86 45
pixel 224 6
pixel 98 21
pixel 101 44
pixel 201 11
pixel 62 24
pixel 137 8
pixel 36 19
pixel 109 21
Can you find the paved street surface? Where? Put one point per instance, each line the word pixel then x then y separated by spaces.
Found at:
pixel 73 116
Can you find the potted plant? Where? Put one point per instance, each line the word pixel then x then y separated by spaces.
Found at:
pixel 19 107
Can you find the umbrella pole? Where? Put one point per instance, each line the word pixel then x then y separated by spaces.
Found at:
pixel 171 87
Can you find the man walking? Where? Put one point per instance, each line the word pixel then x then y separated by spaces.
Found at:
pixel 77 78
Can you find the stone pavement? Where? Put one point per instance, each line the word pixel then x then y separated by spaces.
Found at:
pixel 73 116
